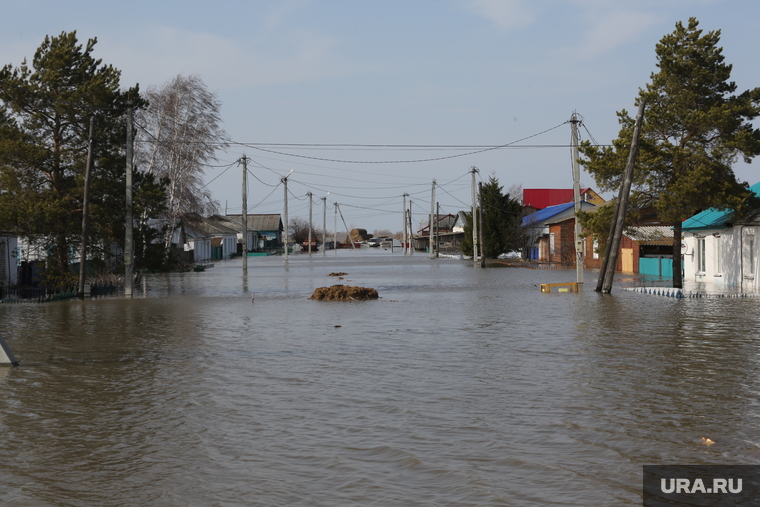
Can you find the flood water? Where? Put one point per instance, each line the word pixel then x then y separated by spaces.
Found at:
pixel 459 387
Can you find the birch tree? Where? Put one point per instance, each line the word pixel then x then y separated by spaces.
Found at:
pixel 179 134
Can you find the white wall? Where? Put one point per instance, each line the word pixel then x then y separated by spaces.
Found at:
pixel 730 260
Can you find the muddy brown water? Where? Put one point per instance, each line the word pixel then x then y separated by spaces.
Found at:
pixel 460 386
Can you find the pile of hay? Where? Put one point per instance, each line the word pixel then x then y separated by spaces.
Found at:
pixel 344 293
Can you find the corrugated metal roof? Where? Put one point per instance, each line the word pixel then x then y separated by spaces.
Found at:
pixel 545 214
pixel 713 218
pixel 259 222
pixel 541 198
pixel 651 234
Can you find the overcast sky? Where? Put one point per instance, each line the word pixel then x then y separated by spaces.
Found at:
pixel 409 72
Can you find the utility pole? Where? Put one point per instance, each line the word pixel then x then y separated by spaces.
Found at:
pixel 437 228
pixel 86 208
pixel 324 225
pixel 432 218
pixel 474 170
pixel 128 245
pixel 346 226
pixel 411 234
pixel 577 200
pixel 244 161
pixel 287 234
pixel 480 228
pixel 335 230
pixel 309 194
pixel 607 273
pixel 403 234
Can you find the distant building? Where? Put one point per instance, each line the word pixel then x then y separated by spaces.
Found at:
pixel 536 199
pixel 268 228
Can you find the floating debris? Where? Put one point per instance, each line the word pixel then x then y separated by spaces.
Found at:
pixel 706 441
pixel 339 273
pixel 344 293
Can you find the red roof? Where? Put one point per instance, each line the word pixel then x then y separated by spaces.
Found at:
pixel 541 198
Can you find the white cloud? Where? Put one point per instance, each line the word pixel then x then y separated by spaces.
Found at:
pixel 505 13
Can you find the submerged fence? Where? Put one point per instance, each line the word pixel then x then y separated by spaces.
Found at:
pixel 48 294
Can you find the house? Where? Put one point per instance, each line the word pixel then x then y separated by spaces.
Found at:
pixel 8 261
pixel 198 243
pixel 268 228
pixel 223 239
pixel 536 199
pixel 448 239
pixel 545 243
pixel 723 251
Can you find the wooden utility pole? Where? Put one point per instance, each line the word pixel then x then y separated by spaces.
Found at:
pixel 128 244
pixel 577 200
pixel 474 220
pixel 86 209
pixel 244 161
pixel 481 229
pixel 625 189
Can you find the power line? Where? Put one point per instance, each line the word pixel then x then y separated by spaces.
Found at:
pixel 490 148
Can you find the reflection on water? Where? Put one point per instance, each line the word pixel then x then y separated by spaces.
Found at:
pixel 460 386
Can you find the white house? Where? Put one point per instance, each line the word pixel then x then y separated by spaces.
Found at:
pixel 722 251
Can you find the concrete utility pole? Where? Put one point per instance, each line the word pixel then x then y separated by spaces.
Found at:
pixel 86 209
pixel 244 161
pixel 474 170
pixel 128 245
pixel 324 224
pixel 350 239
pixel 607 273
pixel 480 228
pixel 287 234
pixel 431 248
pixel 577 200
pixel 437 228
pixel 411 233
pixel 403 234
pixel 309 194
pixel 335 230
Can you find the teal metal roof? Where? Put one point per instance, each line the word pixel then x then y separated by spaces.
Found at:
pixel 713 218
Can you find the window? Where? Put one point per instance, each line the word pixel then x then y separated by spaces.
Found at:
pixel 751 245
pixel 701 255
pixel 551 243
pixel 718 256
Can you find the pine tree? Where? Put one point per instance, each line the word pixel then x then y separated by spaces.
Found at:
pixel 501 219
pixel 694 129
pixel 46 109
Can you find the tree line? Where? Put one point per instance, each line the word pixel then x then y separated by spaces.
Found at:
pixel 46 105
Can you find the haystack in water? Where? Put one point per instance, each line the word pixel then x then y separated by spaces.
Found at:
pixel 344 293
